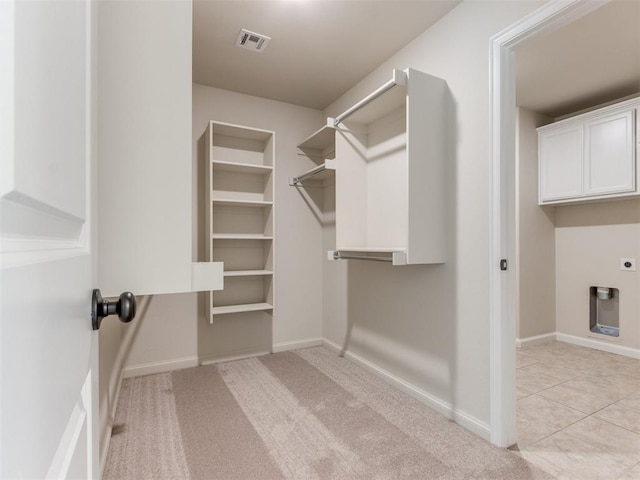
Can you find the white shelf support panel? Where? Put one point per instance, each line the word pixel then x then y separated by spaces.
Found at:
pixel 391 173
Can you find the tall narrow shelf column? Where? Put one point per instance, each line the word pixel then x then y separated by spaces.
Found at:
pixel 240 216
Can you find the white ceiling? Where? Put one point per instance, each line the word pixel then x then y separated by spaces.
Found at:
pixel 593 60
pixel 319 49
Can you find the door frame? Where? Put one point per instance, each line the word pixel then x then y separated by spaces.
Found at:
pixel 503 285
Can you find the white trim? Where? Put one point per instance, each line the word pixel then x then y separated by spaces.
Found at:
pixel 308 343
pixel 469 422
pixel 230 357
pixel 159 367
pixel 536 340
pixel 599 344
pixel 503 300
pixel 256 352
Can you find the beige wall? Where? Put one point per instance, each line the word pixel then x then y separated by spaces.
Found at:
pixel 536 236
pixel 175 332
pixel 590 240
pixel 429 325
pixel 564 250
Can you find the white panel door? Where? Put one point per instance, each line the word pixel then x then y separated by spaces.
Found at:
pixel 609 154
pixel 48 351
pixel 560 154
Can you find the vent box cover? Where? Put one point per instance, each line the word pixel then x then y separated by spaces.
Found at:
pixel 255 42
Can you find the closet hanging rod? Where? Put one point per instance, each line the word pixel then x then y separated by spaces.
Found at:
pixel 297 181
pixel 341 256
pixel 399 78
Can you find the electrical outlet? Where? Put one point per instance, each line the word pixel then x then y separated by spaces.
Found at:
pixel 628 264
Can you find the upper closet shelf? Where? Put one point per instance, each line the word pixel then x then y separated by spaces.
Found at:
pixel 320 144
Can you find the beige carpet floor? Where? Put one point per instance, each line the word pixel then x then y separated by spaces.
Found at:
pixel 300 415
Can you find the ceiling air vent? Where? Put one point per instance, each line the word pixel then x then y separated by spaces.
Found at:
pixel 255 42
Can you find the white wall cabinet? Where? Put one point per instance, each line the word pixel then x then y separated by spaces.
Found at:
pixel 391 173
pixel 591 156
pixel 239 216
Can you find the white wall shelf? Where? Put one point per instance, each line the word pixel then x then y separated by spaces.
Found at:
pixel 321 172
pixel 241 167
pixel 320 143
pixel 391 155
pixel 240 236
pixel 320 147
pixel 249 307
pixel 240 216
pixel 247 273
pixel 241 203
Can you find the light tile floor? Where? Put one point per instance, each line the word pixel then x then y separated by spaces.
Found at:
pixel 578 412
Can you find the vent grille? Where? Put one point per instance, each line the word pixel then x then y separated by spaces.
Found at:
pixel 253 41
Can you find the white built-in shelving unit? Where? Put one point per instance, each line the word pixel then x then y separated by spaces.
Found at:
pixel 390 162
pixel 320 147
pixel 240 216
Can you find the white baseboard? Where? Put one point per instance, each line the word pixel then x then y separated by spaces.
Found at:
pixel 599 344
pixel 256 352
pixel 159 367
pixel 469 422
pixel 229 357
pixel 286 346
pixel 535 340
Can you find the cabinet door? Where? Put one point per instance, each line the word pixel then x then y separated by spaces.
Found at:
pixel 560 163
pixel 609 154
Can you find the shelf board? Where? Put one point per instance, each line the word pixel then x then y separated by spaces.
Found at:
pixel 240 203
pixel 321 143
pixel 397 256
pixel 241 131
pixel 240 236
pixel 373 250
pixel 247 273
pixel 321 172
pixel 249 307
pixel 242 167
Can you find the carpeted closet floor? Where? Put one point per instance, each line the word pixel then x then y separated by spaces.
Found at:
pixel 307 414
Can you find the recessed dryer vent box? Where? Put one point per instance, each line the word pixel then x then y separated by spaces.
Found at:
pixel 604 317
